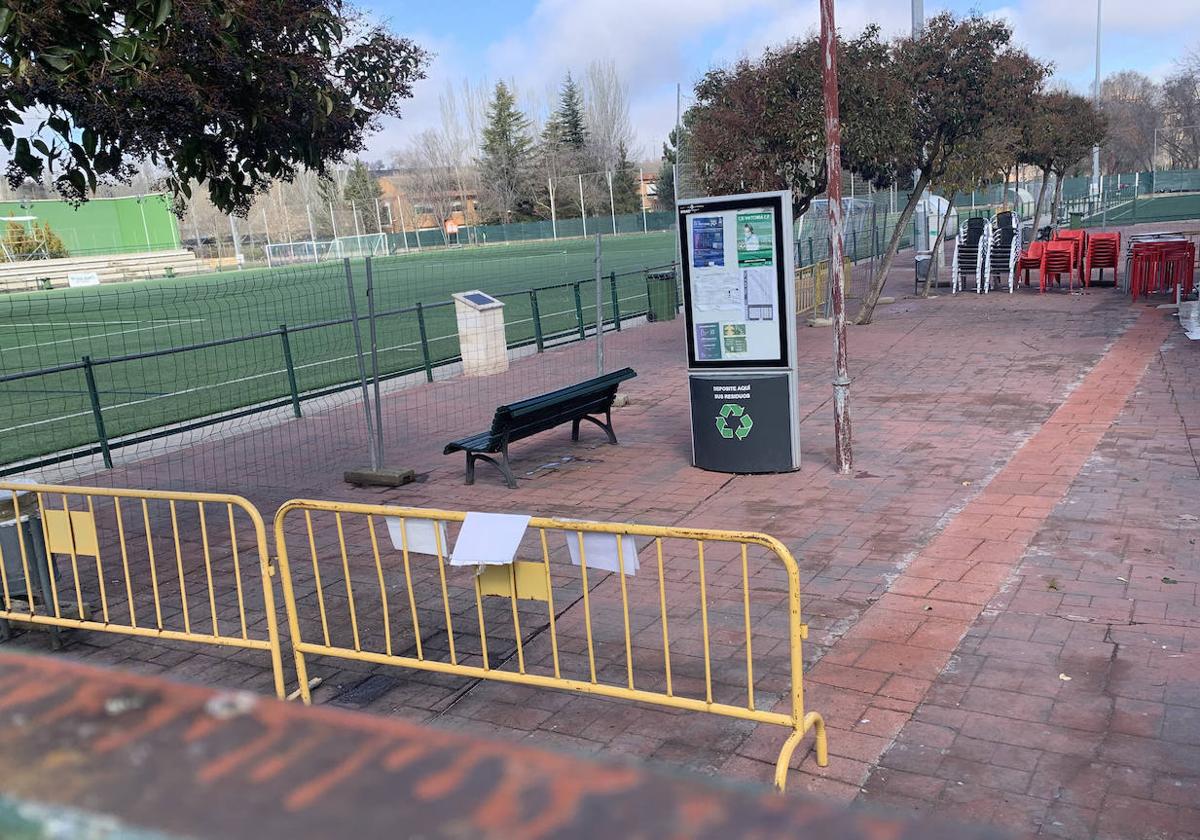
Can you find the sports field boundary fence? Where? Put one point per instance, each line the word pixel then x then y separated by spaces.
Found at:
pixel 627 298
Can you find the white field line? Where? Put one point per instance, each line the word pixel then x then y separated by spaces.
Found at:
pixel 87 337
pixel 37 324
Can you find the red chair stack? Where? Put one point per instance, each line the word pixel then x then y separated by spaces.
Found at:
pixel 1161 267
pixel 1103 252
pixel 1058 259
pixel 1079 239
pixel 1031 257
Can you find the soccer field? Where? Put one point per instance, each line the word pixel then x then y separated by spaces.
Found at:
pixel 114 326
pixel 1157 208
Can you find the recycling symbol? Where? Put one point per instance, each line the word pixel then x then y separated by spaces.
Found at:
pixel 745 424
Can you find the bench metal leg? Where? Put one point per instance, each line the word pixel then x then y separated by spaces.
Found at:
pixel 501 464
pixel 605 424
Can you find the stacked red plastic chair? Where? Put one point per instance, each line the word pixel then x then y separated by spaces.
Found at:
pixel 1031 257
pixel 1162 266
pixel 1104 251
pixel 1058 259
pixel 1080 240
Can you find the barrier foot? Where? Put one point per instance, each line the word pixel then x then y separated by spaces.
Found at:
pixel 814 721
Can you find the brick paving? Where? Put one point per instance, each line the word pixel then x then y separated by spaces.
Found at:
pixel 1022 507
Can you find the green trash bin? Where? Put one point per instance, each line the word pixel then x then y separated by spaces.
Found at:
pixel 1076 220
pixel 663 295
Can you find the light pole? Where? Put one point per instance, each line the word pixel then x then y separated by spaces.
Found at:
pixel 1096 99
pixel 918 17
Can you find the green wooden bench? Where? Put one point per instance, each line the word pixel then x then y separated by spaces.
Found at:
pixel 588 400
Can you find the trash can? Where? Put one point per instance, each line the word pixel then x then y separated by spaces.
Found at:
pixel 662 294
pixel 921 268
pixel 1076 218
pixel 35 556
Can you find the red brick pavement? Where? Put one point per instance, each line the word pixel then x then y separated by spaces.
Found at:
pixel 1072 707
pixel 938 514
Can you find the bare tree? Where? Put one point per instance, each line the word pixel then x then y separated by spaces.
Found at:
pixel 429 175
pixel 1132 102
pixel 606 100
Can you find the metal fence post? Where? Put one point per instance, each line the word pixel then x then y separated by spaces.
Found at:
pixel 536 315
pixel 94 395
pixel 616 300
pixel 374 358
pixel 579 312
pixel 424 343
pixel 291 368
pixel 599 310
pixel 362 370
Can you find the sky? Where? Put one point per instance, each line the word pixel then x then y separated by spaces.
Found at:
pixel 656 44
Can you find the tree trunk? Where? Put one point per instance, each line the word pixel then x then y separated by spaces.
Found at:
pixel 932 277
pixel 1041 199
pixel 1058 183
pixel 872 299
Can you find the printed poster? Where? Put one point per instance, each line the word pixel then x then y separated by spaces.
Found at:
pixel 708 241
pixel 717 290
pixel 708 342
pixel 734 336
pixel 761 292
pixel 756 238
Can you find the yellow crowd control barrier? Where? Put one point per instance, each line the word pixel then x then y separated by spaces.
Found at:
pixel 161 565
pixel 682 634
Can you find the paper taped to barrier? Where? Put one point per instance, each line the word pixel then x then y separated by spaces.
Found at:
pixel 602 552
pixel 419 536
pixel 488 539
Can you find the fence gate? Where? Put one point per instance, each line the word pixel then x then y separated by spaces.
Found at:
pixel 700 620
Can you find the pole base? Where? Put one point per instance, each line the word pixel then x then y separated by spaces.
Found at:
pixel 382 477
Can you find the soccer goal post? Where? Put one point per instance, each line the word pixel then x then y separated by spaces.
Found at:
pixel 364 245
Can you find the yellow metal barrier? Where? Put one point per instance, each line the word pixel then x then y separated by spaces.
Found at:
pixel 681 637
pixel 141 583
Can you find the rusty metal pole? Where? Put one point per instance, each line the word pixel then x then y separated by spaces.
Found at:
pixel 833 160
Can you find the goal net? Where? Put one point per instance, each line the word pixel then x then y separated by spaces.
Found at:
pixel 290 253
pixel 364 245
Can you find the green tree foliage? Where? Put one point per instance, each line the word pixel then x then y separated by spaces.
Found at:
pixel 37 240
pixel 231 96
pixel 361 186
pixel 1060 132
pixel 625 187
pixel 964 80
pixel 760 125
pixel 506 158
pixel 569 116
pixel 360 192
pixel 664 185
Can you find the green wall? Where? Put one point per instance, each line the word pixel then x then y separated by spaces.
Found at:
pixel 104 225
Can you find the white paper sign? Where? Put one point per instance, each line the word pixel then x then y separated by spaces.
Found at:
pixel 602 553
pixel 83 278
pixel 489 539
pixel 423 535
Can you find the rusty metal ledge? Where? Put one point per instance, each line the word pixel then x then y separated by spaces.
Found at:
pixel 187 760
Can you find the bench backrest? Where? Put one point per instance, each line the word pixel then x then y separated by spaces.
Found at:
pixel 545 411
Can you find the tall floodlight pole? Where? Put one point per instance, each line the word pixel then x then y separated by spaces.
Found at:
pixel 1096 99
pixel 918 17
pixel 833 164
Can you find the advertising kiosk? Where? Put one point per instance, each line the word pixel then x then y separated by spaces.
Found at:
pixel 738 269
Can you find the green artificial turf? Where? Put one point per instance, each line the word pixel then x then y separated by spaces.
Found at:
pixel 39 330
